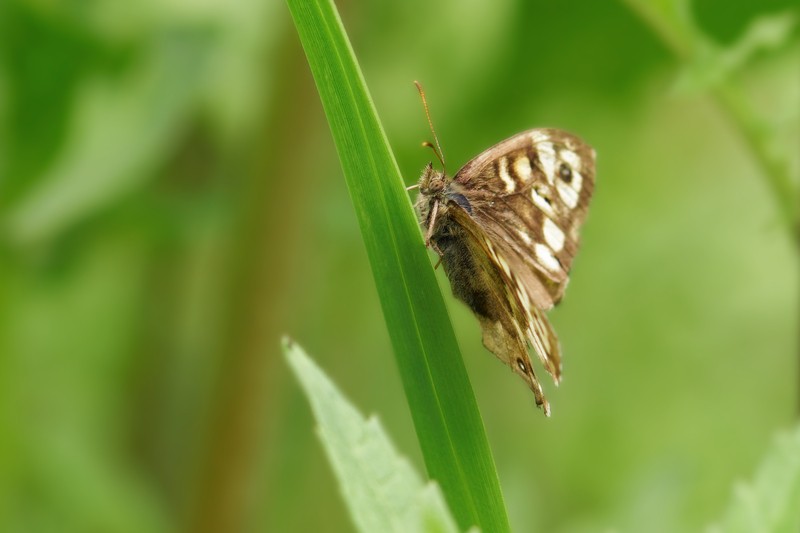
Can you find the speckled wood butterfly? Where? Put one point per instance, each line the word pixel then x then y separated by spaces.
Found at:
pixel 506 231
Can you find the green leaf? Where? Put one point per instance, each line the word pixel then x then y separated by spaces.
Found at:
pixel 710 67
pixel 772 502
pixel 713 65
pixel 119 133
pixel 443 407
pixel 671 20
pixel 380 487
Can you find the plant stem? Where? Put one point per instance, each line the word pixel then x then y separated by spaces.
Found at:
pixel 678 32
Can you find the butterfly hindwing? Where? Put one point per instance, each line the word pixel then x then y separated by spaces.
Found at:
pixel 478 279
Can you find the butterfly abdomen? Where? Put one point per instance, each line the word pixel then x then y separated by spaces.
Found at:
pixel 466 278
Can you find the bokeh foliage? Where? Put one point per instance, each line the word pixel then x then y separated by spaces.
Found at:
pixel 171 203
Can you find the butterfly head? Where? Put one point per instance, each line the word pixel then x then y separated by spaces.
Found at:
pixel 432 182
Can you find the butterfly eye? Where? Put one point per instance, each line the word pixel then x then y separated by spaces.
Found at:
pixel 565 173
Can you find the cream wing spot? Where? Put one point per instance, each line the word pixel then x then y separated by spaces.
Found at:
pixel 553 235
pixel 570 158
pixel 567 194
pixel 522 166
pixel 525 237
pixel 570 191
pixel 546 258
pixel 490 248
pixel 502 171
pixel 522 294
pixel 577 181
pixel 541 200
pixel 497 258
pixel 538 136
pixel 547 157
pixel 504 265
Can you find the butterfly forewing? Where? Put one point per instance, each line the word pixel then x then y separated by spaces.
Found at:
pixel 533 190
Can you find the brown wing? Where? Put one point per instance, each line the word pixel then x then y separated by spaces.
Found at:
pixel 526 288
pixel 532 192
pixel 478 280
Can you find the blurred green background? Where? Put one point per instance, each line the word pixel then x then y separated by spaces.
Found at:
pixel 171 204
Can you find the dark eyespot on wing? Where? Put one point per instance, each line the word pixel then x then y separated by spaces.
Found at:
pixel 565 172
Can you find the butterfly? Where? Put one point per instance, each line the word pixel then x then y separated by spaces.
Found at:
pixel 505 227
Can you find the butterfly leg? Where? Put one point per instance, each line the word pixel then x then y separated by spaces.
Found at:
pixel 431 223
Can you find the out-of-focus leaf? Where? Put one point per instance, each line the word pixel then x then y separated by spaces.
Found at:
pixel 772 502
pixel 709 67
pixel 713 64
pixel 66 360
pixel 122 129
pixel 381 489
pixel 670 19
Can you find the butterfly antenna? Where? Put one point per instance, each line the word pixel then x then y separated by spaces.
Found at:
pixel 438 148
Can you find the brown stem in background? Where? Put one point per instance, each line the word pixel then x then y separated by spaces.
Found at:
pixel 272 198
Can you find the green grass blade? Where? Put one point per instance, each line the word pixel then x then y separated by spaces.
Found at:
pixel 443 407
pixel 380 487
